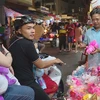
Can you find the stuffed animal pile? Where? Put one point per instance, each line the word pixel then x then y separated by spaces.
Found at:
pixel 84 85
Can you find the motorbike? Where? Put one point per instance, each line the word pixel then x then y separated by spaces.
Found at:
pixel 54 40
pixel 54 74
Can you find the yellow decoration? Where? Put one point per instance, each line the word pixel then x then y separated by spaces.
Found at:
pixel 71 87
pixel 87 97
pixel 62 31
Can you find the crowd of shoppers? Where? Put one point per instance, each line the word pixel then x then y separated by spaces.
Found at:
pixel 70 33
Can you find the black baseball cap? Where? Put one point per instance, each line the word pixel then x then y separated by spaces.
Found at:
pixel 20 21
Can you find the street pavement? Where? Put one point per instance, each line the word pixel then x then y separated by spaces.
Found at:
pixel 70 58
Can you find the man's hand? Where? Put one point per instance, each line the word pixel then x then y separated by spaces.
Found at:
pixel 82 45
pixel 95 51
pixel 58 61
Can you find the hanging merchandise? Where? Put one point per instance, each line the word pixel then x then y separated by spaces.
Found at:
pixel 44 10
pixel 11 13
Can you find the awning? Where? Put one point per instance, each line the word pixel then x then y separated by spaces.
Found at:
pixel 22 2
pixel 12 13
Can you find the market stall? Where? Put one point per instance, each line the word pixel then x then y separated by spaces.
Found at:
pixel 84 83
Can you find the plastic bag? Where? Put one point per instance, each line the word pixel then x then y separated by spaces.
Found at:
pixel 94 60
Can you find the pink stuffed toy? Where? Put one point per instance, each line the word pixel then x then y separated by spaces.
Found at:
pixel 94 89
pixel 76 95
pixel 77 81
pixel 91 47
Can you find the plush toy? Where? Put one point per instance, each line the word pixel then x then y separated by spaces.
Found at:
pixel 77 81
pixel 5 80
pixel 94 89
pixel 69 80
pixel 76 95
pixel 79 71
pixel 91 47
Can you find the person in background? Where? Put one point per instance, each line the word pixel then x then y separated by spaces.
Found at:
pixel 66 27
pixel 54 28
pixel 62 37
pixel 78 36
pixel 84 30
pixel 71 33
pixel 24 56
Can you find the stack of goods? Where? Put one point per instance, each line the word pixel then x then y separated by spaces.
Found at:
pixel 84 83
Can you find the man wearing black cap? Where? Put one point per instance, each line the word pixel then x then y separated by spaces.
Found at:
pixel 24 56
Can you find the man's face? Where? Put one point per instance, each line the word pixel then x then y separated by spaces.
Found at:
pixel 96 20
pixel 28 31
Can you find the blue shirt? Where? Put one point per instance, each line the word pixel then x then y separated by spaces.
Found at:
pixel 92 34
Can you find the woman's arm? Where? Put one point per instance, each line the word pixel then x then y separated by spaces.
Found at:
pixel 6 58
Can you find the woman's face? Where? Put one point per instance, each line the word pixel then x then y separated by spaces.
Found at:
pixel 28 31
